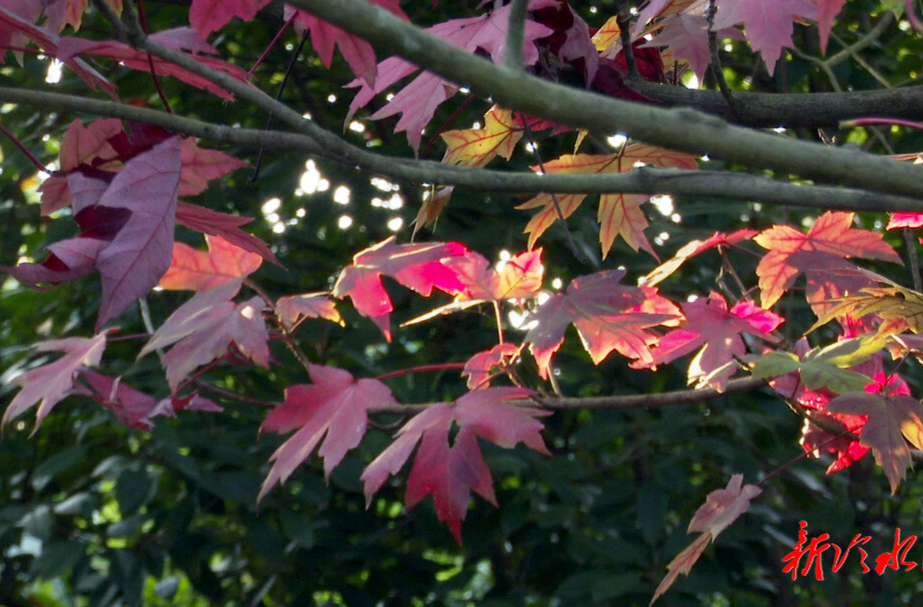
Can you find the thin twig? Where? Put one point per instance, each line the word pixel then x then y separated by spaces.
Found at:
pixel 288 73
pixel 421 369
pixel 270 46
pixel 203 385
pixel 150 62
pixel 624 22
pixel 715 65
pixel 910 244
pixel 22 148
pixel 284 331
pixel 554 198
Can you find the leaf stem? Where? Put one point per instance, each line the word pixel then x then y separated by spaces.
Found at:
pixel 22 148
pixel 421 369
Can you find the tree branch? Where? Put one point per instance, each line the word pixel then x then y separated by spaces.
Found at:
pixel 629 401
pixel 717 184
pixel 679 129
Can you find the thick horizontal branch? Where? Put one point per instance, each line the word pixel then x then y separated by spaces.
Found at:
pixel 716 184
pixel 792 110
pixel 630 401
pixel 680 129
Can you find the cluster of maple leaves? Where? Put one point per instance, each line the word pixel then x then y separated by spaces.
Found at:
pixel 122 184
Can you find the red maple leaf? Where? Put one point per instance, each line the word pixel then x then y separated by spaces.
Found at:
pixel 905 220
pixel 709 325
pixel 608 316
pixel 333 408
pixel 450 472
pixel 416 266
pixel 52 382
pixel 191 269
pixel 829 241
pixel 204 328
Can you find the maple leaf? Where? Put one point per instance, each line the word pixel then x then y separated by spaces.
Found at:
pixel 570 38
pixel 215 223
pixel 201 165
pixel 335 406
pixel 478 367
pixel 608 316
pixel 721 508
pixel 827 10
pixel 358 53
pixel 204 328
pixel 693 248
pixel 415 266
pixel 184 39
pixel 686 35
pixel 516 278
pixel 292 308
pixel 417 102
pixel 50 383
pixel 207 16
pixel 619 214
pixel 132 408
pixel 827 367
pixel 477 147
pixel 791 252
pixel 17 27
pixel 139 254
pixel 717 333
pixel 891 419
pixel 768 23
pixel 905 220
pixel 450 472
pixel 191 269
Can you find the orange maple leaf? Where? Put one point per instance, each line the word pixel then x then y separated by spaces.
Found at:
pixel 619 213
pixel 191 269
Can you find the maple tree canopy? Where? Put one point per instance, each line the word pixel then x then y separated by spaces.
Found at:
pixel 290 289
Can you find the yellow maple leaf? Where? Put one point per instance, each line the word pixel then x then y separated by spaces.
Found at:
pixel 477 147
pixel 619 214
pixel 607 35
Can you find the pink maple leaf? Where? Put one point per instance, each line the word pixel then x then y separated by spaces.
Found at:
pixel 717 333
pixel 227 226
pixel 140 253
pixel 450 472
pixel 180 39
pixel 210 15
pixel 132 408
pixel 52 382
pixel 417 102
pixel 204 328
pixel 768 23
pixel 608 316
pixel 827 10
pixel 335 406
pixel 905 220
pixel 325 37
pixel 479 366
pixel 292 308
pixel 416 266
